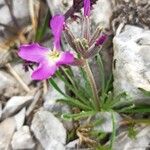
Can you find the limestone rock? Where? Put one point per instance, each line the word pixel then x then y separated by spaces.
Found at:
pixel 0 110
pixel 15 104
pixel 141 141
pixel 52 105
pixel 22 139
pixel 131 62
pixel 26 76
pixel 20 9
pixel 20 118
pixel 51 97
pixel 7 129
pixel 73 144
pixel 102 12
pixel 8 85
pixel 48 130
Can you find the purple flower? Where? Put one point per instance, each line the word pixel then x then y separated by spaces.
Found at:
pixel 87 7
pixel 48 60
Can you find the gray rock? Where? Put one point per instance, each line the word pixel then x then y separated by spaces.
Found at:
pixel 141 142
pixel 20 118
pixel 2 2
pixel 5 55
pixel 20 10
pixel 0 110
pixel 39 146
pixel 102 12
pixel 22 139
pixel 11 25
pixel 131 58
pixel 25 76
pixel 15 104
pixel 58 6
pixel 55 145
pixel 8 85
pixel 48 130
pixel 106 118
pixel 57 108
pixel 51 97
pixel 7 129
pixel 72 145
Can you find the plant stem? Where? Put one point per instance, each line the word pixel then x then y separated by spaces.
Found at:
pixel 92 84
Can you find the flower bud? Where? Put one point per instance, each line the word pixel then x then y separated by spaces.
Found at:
pixel 70 37
pixel 96 35
pixel 86 28
pixel 101 40
pixel 87 7
pixel 80 47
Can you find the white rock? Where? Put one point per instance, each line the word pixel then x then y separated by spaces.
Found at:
pixel 15 104
pixel 52 105
pixel 22 139
pixel 47 129
pixel 131 58
pixel 0 110
pixel 5 55
pixel 7 129
pixel 52 96
pixel 102 12
pixel 73 144
pixel 141 142
pixel 8 85
pixel 57 6
pixel 106 125
pixel 2 2
pixel 20 118
pixel 25 76
pixel 20 9
pixel 55 145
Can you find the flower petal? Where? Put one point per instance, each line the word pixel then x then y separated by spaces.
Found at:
pixel 87 7
pixel 44 71
pixel 56 25
pixel 65 58
pixel 32 52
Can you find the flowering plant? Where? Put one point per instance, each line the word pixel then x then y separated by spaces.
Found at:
pixel 86 47
pixel 85 96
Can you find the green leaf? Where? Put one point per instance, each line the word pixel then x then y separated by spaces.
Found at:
pixel 146 93
pixel 114 131
pixel 53 83
pixel 83 114
pixel 109 84
pixel 75 103
pixel 103 148
pixel 70 86
pixel 41 30
pixel 136 110
pixel 119 99
pixel 102 72
pixel 132 132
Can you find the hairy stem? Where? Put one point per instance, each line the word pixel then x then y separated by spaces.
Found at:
pixel 92 84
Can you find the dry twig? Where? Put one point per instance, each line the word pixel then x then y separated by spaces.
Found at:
pixel 17 77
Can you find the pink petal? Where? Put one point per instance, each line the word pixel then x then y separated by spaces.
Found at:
pixel 87 7
pixel 32 52
pixel 56 25
pixel 44 71
pixel 65 58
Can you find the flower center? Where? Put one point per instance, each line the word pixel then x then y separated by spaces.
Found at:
pixel 53 55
